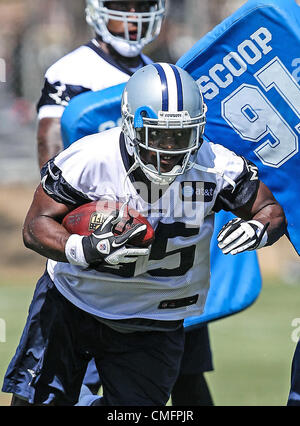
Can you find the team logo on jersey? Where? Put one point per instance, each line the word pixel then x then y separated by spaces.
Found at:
pixel 96 220
pixel 59 96
pixel 253 171
pixel 197 191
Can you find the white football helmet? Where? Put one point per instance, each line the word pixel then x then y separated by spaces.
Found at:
pixel 163 119
pixel 148 18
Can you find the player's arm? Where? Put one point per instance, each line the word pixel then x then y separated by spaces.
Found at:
pixel 54 98
pixel 49 140
pixel 42 230
pixel 265 209
pixel 261 222
pixel 56 95
pixel 43 233
pixel 50 108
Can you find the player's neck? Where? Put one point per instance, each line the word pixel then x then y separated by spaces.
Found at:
pixel 152 194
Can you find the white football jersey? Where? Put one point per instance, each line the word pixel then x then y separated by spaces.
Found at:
pixel 173 281
pixel 84 69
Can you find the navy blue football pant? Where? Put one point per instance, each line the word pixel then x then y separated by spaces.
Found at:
pixel 59 340
pixel 197 358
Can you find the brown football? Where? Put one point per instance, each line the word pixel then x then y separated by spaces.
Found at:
pixel 87 218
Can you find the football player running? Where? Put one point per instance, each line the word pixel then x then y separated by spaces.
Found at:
pixel 129 316
pixel 122 30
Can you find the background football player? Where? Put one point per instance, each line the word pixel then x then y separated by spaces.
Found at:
pixel 122 29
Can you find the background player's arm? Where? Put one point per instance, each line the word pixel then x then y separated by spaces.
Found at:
pixel 49 139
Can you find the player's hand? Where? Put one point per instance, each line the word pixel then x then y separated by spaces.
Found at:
pixel 103 245
pixel 239 235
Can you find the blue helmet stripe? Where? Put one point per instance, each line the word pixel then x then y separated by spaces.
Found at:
pixel 179 87
pixel 164 84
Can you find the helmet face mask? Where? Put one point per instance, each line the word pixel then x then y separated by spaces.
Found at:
pixel 172 140
pixel 165 148
pixel 146 17
pixel 163 130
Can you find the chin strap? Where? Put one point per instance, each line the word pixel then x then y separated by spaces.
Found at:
pixel 123 47
pixel 132 168
pixel 160 179
pixel 216 172
pixel 120 46
pixel 126 49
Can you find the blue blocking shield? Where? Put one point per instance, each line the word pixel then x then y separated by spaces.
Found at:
pixel 235 281
pixel 248 68
pixel 91 112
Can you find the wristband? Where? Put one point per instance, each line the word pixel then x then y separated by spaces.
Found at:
pixel 74 251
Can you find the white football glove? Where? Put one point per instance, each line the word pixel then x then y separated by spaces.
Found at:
pixel 102 246
pixel 239 235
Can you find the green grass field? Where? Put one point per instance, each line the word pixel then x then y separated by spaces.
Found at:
pixel 252 350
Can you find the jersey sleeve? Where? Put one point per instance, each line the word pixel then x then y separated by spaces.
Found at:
pixel 63 80
pixel 246 186
pixel 68 177
pixel 58 188
pixel 55 97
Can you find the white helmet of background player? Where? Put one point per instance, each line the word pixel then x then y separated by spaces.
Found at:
pixel 147 16
pixel 163 119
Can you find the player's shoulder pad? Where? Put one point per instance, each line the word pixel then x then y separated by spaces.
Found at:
pixel 71 67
